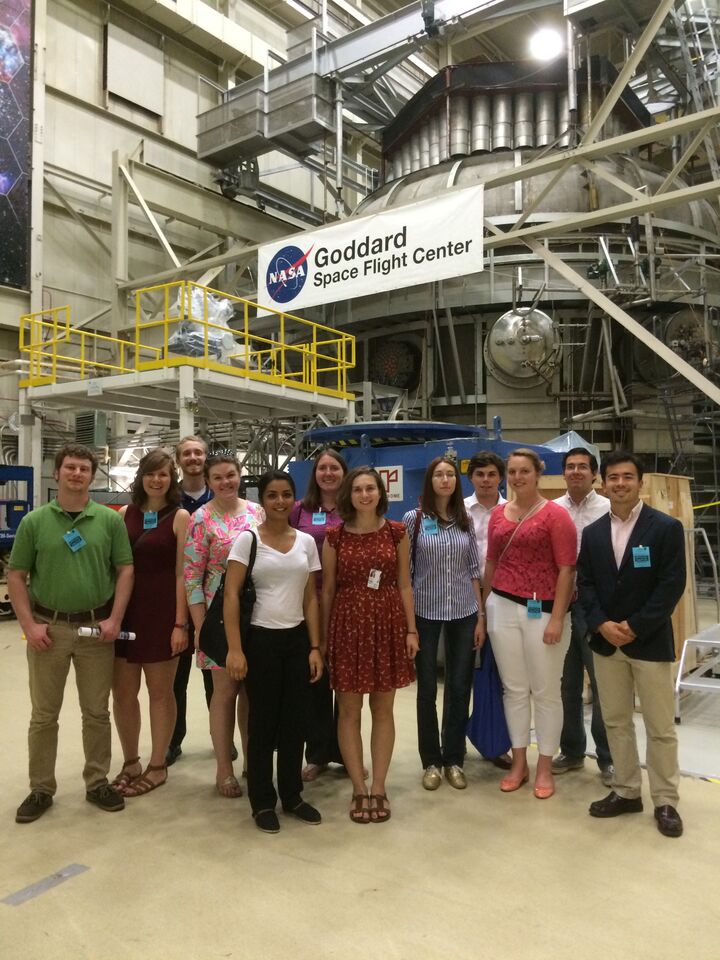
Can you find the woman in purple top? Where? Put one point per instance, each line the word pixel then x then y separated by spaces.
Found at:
pixel 315 514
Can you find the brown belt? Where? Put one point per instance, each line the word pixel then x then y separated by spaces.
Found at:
pixel 80 616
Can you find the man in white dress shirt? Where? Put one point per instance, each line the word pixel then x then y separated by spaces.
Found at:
pixel 486 471
pixel 585 505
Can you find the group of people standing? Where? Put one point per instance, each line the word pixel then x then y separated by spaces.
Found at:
pixel 350 602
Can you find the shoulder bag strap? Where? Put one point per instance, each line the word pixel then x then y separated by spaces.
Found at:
pixel 520 523
pixel 253 553
pixel 171 513
pixel 416 531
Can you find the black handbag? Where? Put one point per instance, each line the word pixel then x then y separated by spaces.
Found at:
pixel 213 641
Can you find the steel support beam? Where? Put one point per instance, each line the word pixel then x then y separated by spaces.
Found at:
pixel 119 244
pixel 620 211
pixel 625 142
pixel 152 220
pixel 628 70
pixel 171 196
pixel 688 153
pixel 78 218
pixel 624 319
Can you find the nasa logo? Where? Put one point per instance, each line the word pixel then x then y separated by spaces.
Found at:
pixel 286 274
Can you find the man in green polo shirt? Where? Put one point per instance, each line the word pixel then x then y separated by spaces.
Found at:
pixel 79 562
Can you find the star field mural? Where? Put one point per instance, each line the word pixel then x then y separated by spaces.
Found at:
pixel 15 121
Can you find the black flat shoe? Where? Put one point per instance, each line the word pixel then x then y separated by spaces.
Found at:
pixel 668 821
pixel 267 821
pixel 172 755
pixel 303 811
pixel 612 806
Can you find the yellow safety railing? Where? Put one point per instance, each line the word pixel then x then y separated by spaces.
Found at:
pixel 260 344
pixel 187 327
pixel 57 351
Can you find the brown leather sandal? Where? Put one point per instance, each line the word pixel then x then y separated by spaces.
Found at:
pixel 123 780
pixel 379 811
pixel 360 810
pixel 142 784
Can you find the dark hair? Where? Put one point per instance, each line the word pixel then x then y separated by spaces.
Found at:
pixel 155 460
pixel 80 452
pixel 456 504
pixel 267 478
pixel 621 456
pixel 216 458
pixel 581 452
pixel 344 498
pixel 312 500
pixel 191 438
pixel 531 455
pixel 485 458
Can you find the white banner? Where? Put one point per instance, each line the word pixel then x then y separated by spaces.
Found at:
pixel 417 243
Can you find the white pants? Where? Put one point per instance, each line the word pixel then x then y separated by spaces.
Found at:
pixel 528 667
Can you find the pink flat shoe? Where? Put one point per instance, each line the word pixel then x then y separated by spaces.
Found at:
pixel 544 793
pixel 509 784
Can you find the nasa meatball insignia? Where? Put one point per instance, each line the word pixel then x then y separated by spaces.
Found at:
pixel 287 273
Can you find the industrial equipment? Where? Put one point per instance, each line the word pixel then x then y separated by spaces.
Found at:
pixel 16 485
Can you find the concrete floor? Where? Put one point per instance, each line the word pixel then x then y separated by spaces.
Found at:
pixel 182 873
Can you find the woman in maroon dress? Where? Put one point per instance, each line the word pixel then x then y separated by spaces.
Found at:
pixel 157 614
pixel 369 628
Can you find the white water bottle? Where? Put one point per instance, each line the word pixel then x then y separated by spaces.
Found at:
pixel 95 632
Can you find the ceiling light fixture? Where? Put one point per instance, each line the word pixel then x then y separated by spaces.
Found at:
pixel 546 44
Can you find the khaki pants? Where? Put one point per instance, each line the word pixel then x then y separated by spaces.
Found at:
pixel 48 669
pixel 617 677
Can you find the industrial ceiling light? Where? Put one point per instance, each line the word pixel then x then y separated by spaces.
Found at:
pixel 546 44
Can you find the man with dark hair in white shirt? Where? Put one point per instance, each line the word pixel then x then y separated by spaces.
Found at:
pixel 585 505
pixel 485 471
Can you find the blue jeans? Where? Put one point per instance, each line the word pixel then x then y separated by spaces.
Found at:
pixel 459 662
pixel 573 740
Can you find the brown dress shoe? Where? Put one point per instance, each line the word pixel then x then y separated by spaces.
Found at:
pixel 668 821
pixel 612 806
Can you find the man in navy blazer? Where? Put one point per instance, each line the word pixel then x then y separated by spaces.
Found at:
pixel 631 574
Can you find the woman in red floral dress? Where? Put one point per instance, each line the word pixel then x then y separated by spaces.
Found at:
pixel 369 630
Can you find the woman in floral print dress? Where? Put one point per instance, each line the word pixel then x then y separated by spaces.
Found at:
pixel 211 533
pixel 369 629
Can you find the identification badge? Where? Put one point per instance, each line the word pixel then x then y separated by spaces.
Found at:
pixel 149 519
pixel 74 540
pixel 374 579
pixel 641 557
pixel 430 525
pixel 534 609
pixel 319 519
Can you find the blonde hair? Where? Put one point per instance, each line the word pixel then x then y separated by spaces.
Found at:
pixel 529 455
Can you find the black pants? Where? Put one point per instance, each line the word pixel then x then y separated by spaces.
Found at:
pixel 278 687
pixel 185 662
pixel 322 746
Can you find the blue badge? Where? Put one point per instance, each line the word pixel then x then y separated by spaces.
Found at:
pixel 319 518
pixel 74 540
pixel 149 519
pixel 430 525
pixel 641 557
pixel 534 609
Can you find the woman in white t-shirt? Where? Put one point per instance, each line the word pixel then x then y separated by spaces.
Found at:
pixel 281 656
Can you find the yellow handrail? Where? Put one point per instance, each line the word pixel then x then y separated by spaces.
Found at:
pixel 250 341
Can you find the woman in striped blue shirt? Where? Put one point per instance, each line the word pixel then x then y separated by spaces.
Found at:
pixel 446 590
